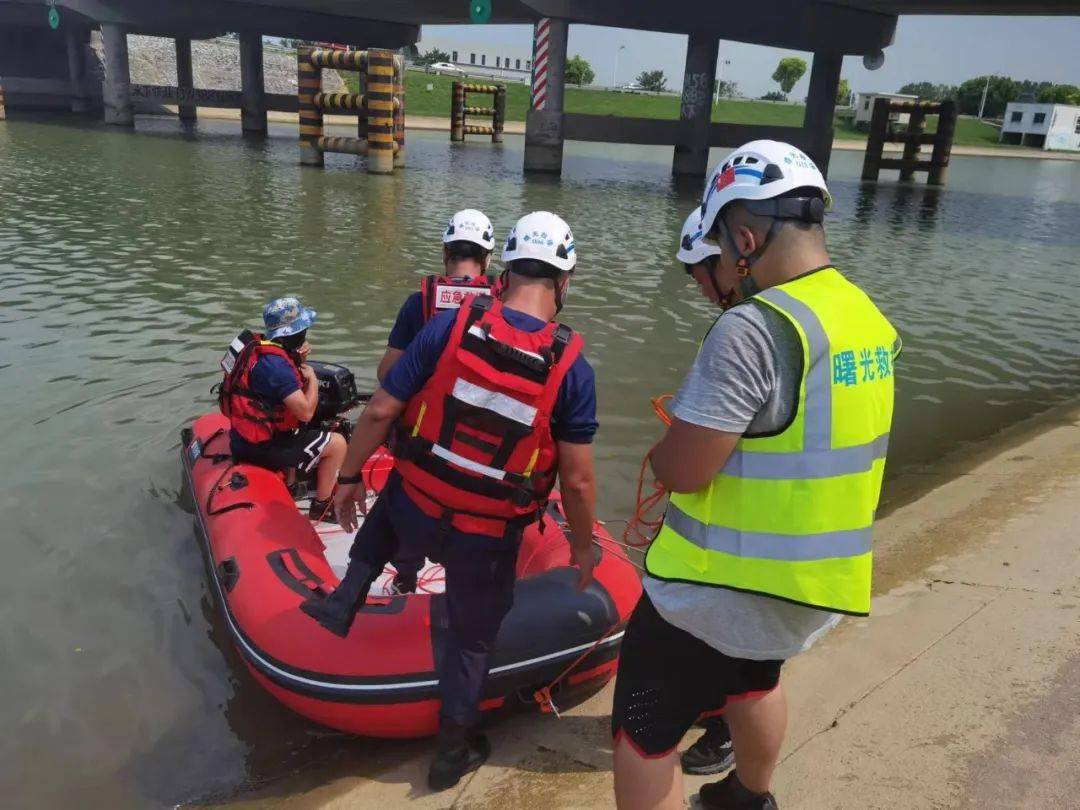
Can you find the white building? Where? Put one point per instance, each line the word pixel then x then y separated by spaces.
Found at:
pixel 481 58
pixel 864 108
pixel 1048 126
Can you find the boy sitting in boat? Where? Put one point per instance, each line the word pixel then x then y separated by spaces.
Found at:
pixel 271 393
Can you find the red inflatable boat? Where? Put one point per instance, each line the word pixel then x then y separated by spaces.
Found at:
pixel 265 557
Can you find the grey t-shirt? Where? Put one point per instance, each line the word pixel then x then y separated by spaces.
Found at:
pixel 745 380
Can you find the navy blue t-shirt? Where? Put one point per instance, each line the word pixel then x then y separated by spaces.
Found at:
pixel 573 418
pixel 272 378
pixel 409 322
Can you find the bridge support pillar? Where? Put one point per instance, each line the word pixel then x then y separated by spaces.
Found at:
pixel 692 157
pixel 544 122
pixel 821 106
pixel 185 80
pixel 117 87
pixel 252 92
pixel 76 53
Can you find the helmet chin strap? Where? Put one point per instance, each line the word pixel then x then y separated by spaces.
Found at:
pixel 744 263
pixel 724 300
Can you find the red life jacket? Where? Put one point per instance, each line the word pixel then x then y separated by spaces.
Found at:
pixel 438 293
pixel 475 445
pixel 255 418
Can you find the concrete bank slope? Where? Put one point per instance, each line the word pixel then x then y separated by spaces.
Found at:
pixel 962 690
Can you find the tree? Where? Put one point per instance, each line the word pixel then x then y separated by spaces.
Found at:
pixel 726 89
pixel 432 56
pixel 788 72
pixel 652 80
pixel 1060 94
pixel 1001 91
pixel 928 91
pixel 774 95
pixel 578 71
pixel 843 93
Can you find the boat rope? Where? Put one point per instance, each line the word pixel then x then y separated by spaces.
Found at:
pixel 642 527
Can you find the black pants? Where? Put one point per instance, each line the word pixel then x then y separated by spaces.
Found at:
pixel 479 594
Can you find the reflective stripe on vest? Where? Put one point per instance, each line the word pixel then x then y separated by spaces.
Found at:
pixel 791 515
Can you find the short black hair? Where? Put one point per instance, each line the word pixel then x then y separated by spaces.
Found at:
pixel 462 249
pixel 293 342
pixel 534 268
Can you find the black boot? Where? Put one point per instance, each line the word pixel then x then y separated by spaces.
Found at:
pixel 711 753
pixel 461 751
pixel 337 611
pixel 731 794
pixel 322 511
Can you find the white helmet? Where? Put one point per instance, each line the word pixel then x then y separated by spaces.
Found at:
pixel 470 225
pixel 693 248
pixel 760 170
pixel 544 236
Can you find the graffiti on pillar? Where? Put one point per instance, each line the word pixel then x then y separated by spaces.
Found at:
pixel 695 95
pixel 173 95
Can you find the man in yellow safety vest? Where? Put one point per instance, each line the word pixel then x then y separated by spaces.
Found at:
pixel 774 462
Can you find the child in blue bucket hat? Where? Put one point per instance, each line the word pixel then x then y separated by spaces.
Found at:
pixel 270 396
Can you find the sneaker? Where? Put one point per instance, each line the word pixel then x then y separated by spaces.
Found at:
pixel 405 582
pixel 712 753
pixel 730 794
pixel 322 511
pixel 452 763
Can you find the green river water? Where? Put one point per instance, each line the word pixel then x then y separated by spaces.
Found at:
pixel 128 261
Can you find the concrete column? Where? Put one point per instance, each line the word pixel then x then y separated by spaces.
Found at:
pixel 544 122
pixel 692 157
pixel 76 51
pixel 820 106
pixel 117 87
pixel 252 93
pixel 185 79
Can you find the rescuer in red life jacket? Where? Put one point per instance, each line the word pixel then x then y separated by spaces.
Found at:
pixel 493 401
pixel 468 242
pixel 269 397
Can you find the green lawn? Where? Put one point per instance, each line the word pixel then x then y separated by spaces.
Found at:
pixel 436 102
pixel 969 132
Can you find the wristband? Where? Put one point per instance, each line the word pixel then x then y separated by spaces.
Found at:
pixel 349 480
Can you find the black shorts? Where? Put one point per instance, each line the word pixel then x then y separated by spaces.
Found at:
pixel 301 449
pixel 669 679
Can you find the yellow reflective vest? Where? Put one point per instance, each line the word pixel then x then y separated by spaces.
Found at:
pixel 790 515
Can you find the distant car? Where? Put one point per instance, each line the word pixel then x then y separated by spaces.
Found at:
pixel 632 87
pixel 445 67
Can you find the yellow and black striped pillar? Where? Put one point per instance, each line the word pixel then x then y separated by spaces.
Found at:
pixel 3 109
pixel 399 111
pixel 498 119
pixel 361 114
pixel 309 84
pixel 380 109
pixel 457 112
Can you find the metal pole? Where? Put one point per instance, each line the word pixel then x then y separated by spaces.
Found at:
pixel 399 111
pixel 252 85
pixel 615 67
pixel 982 104
pixel 185 80
pixel 719 74
pixel 875 142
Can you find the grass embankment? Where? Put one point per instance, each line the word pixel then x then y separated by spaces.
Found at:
pixel 436 102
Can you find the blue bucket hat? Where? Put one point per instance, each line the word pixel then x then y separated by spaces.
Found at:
pixel 286 316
